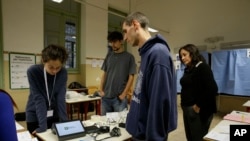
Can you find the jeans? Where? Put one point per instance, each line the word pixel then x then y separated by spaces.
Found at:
pixel 113 105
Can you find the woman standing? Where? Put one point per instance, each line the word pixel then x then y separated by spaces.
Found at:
pixel 198 93
pixel 46 103
pixel 8 127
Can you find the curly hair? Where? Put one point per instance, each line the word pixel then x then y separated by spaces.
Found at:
pixel 54 52
pixel 115 36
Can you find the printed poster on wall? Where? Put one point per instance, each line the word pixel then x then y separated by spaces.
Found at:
pixel 18 64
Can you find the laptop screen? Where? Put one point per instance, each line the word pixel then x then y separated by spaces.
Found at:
pixel 69 128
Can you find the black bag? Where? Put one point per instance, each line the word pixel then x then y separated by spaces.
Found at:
pixel 75 85
pixel 78 87
pixel 20 116
pixel 91 107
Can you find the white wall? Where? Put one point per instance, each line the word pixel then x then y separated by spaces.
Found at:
pixel 186 21
pixel 94 32
pixel 23 25
pixel 194 20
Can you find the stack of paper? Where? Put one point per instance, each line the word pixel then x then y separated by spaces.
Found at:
pixel 25 136
pixel 238 117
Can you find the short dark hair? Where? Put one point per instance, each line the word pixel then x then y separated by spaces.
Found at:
pixel 54 52
pixel 115 36
pixel 140 17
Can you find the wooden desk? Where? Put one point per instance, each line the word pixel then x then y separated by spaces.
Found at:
pixel 221 131
pixel 247 105
pixel 49 136
pixel 83 101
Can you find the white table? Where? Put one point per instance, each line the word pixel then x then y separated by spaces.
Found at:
pixel 23 134
pixel 49 136
pixel 221 131
pixel 83 100
pixel 247 105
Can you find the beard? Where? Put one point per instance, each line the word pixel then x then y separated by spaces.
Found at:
pixel 115 49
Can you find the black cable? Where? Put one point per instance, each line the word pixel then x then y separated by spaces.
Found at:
pixel 102 138
pixel 114 133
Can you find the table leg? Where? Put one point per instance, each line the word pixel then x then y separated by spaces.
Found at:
pixel 79 110
pixel 248 109
pixel 68 110
pixel 71 111
pixel 86 110
pixel 98 107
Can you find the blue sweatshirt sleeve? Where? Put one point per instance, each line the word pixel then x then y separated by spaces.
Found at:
pixel 8 132
pixel 162 115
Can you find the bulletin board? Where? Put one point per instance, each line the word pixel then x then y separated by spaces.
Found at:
pixel 18 65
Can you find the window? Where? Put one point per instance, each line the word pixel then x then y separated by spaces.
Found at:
pixel 1 48
pixel 115 19
pixel 70 44
pixel 61 25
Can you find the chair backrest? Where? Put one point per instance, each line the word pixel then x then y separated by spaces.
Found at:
pixel 92 89
pixel 75 85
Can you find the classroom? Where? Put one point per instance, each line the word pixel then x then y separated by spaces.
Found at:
pixel 27 26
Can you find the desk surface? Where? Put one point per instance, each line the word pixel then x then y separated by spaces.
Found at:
pixel 23 134
pixel 49 136
pixel 246 104
pixel 81 98
pixel 221 131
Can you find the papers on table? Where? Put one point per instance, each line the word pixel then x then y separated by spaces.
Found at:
pixel 218 136
pixel 117 117
pixel 238 116
pixel 25 136
pixel 18 126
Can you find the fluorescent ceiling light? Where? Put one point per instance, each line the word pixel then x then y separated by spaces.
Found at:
pixel 58 1
pixel 152 30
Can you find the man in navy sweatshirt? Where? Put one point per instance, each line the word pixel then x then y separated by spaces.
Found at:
pixel 153 111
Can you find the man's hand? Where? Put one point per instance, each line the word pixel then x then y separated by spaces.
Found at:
pixel 101 93
pixel 122 96
pixel 34 132
pixel 196 108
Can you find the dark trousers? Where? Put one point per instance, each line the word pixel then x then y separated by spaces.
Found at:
pixel 195 128
pixel 32 126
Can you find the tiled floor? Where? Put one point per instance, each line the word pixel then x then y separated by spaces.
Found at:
pixel 179 133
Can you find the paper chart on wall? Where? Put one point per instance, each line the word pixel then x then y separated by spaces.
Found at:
pixel 96 63
pixel 18 64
